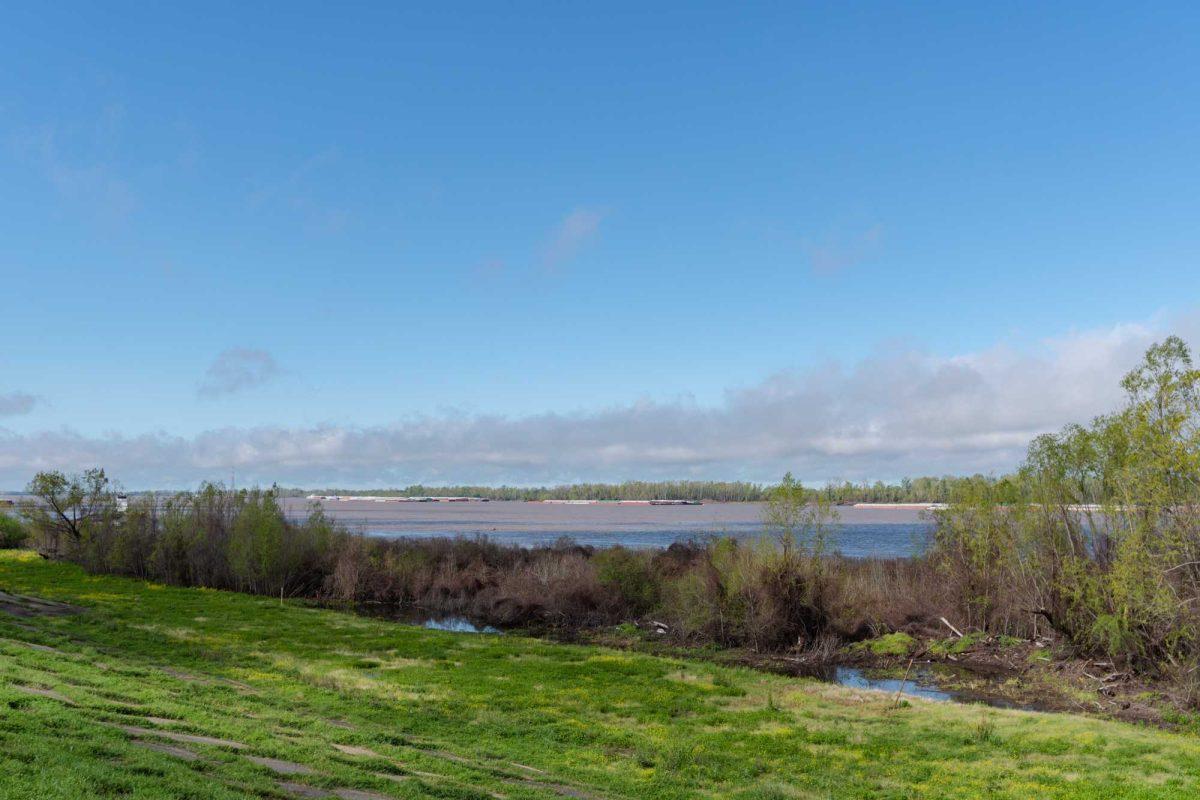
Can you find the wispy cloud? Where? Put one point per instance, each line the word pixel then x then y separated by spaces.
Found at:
pixel 238 369
pixel 898 412
pixel 90 183
pixel 570 236
pixel 297 193
pixel 837 254
pixel 16 403
pixel 92 164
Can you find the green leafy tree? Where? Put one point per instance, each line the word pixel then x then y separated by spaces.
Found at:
pixel 64 509
pixel 799 521
pixel 1098 534
pixel 257 554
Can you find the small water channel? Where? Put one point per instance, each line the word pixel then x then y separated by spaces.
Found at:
pixel 920 683
pixel 936 682
pixel 928 681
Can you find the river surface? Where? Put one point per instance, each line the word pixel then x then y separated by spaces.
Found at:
pixel 859 531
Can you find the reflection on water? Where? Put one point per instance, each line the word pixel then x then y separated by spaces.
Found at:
pixel 422 617
pixel 458 625
pixel 921 683
pixel 933 682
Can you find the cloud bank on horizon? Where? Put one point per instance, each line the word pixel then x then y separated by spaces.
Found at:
pixel 896 413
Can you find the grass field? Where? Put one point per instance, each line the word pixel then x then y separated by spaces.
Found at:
pixel 147 691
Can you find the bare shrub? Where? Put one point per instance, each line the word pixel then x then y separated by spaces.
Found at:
pixel 556 588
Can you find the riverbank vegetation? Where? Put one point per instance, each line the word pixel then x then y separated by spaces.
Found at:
pixel 112 687
pixel 13 532
pixel 1097 537
pixel 1092 546
pixel 786 591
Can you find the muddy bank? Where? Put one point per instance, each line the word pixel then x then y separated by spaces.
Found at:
pixel 994 671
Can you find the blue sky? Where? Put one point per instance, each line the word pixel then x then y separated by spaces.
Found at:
pixel 493 241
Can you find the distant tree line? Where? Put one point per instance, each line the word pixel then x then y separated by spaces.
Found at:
pixel 717 491
pixel 909 490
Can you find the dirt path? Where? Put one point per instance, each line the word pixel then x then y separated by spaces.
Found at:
pixel 25 606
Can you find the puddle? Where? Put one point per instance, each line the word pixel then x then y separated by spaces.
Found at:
pixel 409 615
pixel 457 625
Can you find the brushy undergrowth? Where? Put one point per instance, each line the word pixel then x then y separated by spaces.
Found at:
pixel 13 532
pixel 783 591
pixel 1096 539
pixel 437 714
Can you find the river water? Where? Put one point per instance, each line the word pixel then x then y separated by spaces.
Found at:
pixel 859 531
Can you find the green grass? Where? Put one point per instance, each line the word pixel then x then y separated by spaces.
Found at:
pixel 956 645
pixel 890 644
pixel 476 716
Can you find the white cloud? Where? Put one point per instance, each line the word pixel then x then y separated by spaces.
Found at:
pixel 895 413
pixel 237 369
pixel 569 237
pixel 14 403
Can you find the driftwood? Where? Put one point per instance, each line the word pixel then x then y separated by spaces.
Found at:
pixel 946 622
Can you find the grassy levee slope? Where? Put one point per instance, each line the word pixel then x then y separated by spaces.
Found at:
pixel 154 692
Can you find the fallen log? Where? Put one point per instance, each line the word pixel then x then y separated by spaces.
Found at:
pixel 946 622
